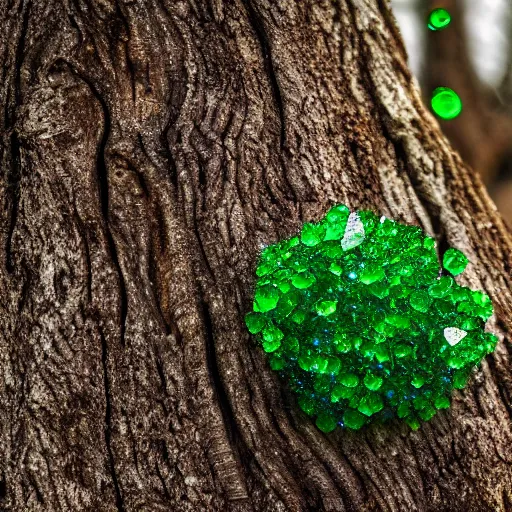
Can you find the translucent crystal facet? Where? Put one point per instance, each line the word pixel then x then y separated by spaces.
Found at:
pixel 354 233
pixel 355 314
pixel 453 335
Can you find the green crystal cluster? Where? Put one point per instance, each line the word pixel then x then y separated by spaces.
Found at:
pixel 356 316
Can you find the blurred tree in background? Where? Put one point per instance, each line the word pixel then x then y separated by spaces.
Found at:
pixel 473 56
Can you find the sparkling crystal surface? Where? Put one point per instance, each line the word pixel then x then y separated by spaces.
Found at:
pixel 354 316
pixel 438 19
pixel 453 335
pixel 446 103
pixel 354 232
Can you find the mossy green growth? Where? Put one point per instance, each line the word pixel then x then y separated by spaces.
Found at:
pixel 356 319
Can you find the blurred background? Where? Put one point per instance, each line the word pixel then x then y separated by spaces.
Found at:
pixel 473 56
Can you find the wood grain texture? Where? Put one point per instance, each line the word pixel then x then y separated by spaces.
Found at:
pixel 149 149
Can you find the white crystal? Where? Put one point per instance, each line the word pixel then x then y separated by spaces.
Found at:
pixel 453 335
pixel 354 232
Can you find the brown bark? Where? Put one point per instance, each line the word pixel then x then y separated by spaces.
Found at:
pixel 149 149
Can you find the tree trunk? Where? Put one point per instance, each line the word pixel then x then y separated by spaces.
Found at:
pixel 150 148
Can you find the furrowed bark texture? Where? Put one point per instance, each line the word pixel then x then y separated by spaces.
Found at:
pixel 149 149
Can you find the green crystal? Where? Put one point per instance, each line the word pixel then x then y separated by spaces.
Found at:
pixel 402 351
pixel 446 103
pixel 313 363
pixel 413 423
pixel 400 321
pixel 255 322
pixel 326 307
pixel 454 261
pixel 403 410
pixel 312 234
pixel 429 243
pixel 349 379
pixel 385 329
pixel 353 419
pixel 370 404
pixel 307 405
pixel 284 286
pixel 299 316
pixel 265 269
pixel 338 215
pixel 373 382
pixel 325 422
pixel 333 252
pixel 340 391
pixel 442 402
pixel 336 222
pixel 438 19
pixel 483 304
pixel 292 345
pixel 272 337
pixel 322 384
pixel 342 343
pixel 441 287
pixel 277 363
pixel 303 280
pixel 460 379
pixel 427 413
pixel 336 269
pixel 382 354
pixel 354 316
pixel 418 381
pixel 380 290
pixel 456 362
pixel 266 298
pixel 333 365
pixel 372 274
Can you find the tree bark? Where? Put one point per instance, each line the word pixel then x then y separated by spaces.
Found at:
pixel 149 149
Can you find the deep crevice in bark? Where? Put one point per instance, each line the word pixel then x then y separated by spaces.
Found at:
pixel 505 395
pixel 14 185
pixel 33 483
pixel 103 189
pixel 213 370
pixel 14 176
pixel 108 423
pixel 3 487
pixel 259 29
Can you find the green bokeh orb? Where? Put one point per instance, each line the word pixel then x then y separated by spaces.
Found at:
pixel 446 103
pixel 438 19
pixel 354 316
